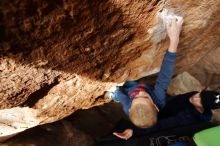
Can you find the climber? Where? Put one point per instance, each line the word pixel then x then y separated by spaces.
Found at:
pixel 142 102
pixel 181 110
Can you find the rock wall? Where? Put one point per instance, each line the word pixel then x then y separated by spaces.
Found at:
pixel 82 128
pixel 58 56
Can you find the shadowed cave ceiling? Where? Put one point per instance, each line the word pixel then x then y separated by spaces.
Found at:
pixel 59 56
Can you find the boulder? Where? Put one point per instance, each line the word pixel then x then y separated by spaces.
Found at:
pixel 57 57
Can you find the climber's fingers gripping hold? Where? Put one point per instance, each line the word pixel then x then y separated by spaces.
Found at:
pixel 174 26
pixel 179 20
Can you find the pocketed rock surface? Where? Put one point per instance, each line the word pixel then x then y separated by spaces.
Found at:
pixel 57 57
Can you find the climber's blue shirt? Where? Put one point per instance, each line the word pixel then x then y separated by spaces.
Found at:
pixel 157 92
pixel 177 112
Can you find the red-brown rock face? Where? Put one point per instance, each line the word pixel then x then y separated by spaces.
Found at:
pixel 58 56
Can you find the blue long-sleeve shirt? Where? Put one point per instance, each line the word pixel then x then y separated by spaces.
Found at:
pixel 157 92
pixel 185 116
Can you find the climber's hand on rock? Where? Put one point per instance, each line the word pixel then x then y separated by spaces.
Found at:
pixel 126 134
pixel 174 26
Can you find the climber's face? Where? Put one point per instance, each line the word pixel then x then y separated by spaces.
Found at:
pixel 196 101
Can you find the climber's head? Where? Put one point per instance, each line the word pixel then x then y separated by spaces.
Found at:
pixel 206 100
pixel 143 111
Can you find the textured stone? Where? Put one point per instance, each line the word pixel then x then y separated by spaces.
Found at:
pixel 80 128
pixel 19 81
pixel 16 120
pixel 207 70
pixel 184 83
pixel 60 56
pixel 69 96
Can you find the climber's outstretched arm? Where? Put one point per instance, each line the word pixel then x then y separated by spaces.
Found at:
pixel 173 26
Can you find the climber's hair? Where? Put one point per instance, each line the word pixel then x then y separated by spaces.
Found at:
pixel 143 115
